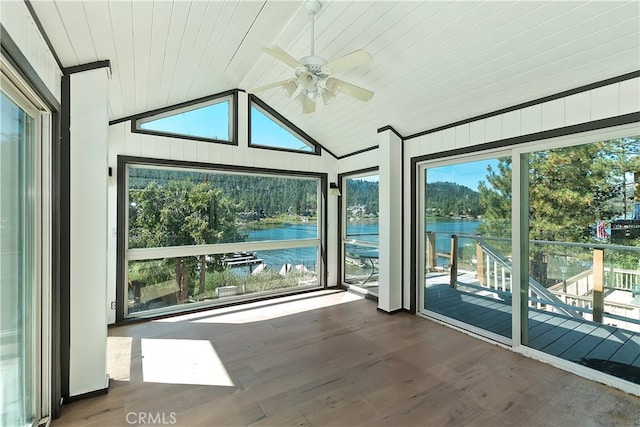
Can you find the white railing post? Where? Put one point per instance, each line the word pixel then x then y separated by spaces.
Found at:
pixel 480 264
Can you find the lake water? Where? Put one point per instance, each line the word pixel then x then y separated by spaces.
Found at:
pixel 444 228
pixel 275 259
pixel 368 232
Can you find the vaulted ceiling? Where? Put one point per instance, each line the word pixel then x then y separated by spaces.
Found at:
pixel 434 62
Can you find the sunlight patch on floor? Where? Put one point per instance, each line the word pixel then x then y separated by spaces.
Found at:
pixel 280 310
pixel 119 358
pixel 172 361
pixel 325 298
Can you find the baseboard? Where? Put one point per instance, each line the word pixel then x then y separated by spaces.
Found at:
pixel 398 310
pixel 89 394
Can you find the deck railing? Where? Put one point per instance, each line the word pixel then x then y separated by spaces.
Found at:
pixel 582 296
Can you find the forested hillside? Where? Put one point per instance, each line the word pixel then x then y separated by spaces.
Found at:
pixel 256 196
pixel 267 196
pixel 448 198
pixel 363 193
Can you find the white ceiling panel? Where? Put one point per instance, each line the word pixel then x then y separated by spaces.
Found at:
pixel 75 23
pixel 434 62
pixel 142 14
pixel 57 32
pixel 149 77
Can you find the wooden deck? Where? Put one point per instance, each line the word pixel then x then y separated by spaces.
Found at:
pixel 331 359
pixel 603 347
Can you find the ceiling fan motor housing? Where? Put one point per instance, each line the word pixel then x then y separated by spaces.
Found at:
pixel 314 64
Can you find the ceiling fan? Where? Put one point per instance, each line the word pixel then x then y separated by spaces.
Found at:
pixel 313 73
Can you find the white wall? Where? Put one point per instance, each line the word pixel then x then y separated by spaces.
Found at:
pixel 88 235
pixel 368 159
pixel 123 142
pixel 604 102
pixel 16 19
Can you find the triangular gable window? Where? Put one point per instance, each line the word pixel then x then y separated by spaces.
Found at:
pixel 271 131
pixel 207 120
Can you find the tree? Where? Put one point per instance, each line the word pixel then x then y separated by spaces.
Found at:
pixel 495 200
pixel 178 214
pixel 624 157
pixel 568 188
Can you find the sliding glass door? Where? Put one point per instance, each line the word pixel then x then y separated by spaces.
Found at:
pixel 23 329
pixel 583 252
pixel 466 243
pixel 538 247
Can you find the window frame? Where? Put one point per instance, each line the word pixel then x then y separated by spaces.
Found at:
pixel 316 149
pixel 420 262
pixel 230 96
pixel 342 224
pixel 125 254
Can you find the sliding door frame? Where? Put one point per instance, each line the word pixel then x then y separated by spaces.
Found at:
pixel 55 241
pixel 420 170
pixel 38 173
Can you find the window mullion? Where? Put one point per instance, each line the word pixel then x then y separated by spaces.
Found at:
pixel 220 248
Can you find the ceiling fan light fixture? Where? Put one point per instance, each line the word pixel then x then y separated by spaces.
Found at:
pixel 333 85
pixel 302 97
pixel 307 80
pixel 290 88
pixel 313 94
pixel 328 96
pixel 309 105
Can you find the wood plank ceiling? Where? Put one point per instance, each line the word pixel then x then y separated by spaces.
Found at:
pixel 434 62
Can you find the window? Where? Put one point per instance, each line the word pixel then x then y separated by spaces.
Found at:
pixel 206 236
pixel 210 120
pixel 360 234
pixel 270 130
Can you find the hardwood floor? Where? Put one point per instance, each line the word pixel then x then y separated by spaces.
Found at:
pixel 332 359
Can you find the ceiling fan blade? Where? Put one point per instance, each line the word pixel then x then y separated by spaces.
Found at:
pixel 282 56
pixel 270 86
pixel 348 62
pixel 349 89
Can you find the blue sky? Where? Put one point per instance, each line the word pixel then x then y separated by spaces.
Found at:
pixel 264 131
pixel 211 121
pixel 467 174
